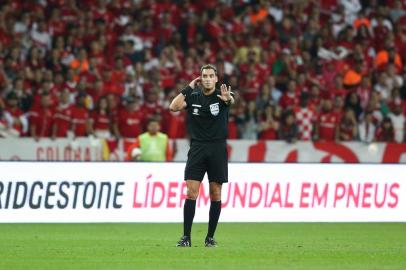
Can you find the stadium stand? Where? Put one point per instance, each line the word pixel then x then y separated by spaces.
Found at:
pixel 333 70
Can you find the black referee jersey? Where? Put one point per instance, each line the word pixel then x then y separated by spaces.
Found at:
pixel 207 116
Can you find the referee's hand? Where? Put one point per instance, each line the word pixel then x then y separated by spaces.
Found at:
pixel 193 83
pixel 225 93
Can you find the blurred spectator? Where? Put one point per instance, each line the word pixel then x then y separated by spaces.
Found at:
pixel 248 122
pixel 398 120
pixel 174 123
pixel 151 106
pixel 41 118
pixel 394 80
pixel 382 86
pixel 62 125
pixel 80 117
pixel 338 88
pixel 385 132
pixel 347 129
pixel 389 55
pixel 130 119
pixel 3 124
pixel 305 117
pixel 327 123
pixel 353 77
pixel 374 107
pixel 232 123
pixel 283 69
pixel 364 91
pixel 264 98
pixel 276 94
pixel 81 63
pixel 367 129
pixel 353 102
pixel 351 8
pixel 41 36
pixel 397 11
pixel 14 123
pixel 269 124
pixel 288 130
pixel 152 145
pixel 290 98
pixel 100 120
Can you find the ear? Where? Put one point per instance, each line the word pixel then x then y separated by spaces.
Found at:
pixel 217 78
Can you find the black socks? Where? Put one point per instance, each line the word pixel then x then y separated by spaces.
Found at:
pixel 188 215
pixel 214 215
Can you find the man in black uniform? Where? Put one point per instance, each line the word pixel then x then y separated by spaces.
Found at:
pixel 207 117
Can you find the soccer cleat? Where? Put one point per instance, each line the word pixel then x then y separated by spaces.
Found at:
pixel 184 242
pixel 210 242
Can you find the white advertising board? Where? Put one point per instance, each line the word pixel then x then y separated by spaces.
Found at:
pixel 155 192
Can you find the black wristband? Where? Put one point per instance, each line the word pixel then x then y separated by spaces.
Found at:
pixel 186 90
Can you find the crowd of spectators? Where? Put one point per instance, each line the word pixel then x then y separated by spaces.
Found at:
pixel 330 70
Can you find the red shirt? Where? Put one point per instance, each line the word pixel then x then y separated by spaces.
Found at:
pixel 268 134
pixel 214 30
pixel 118 76
pixel 130 123
pixel 327 125
pixel 42 119
pixel 57 27
pixel 288 100
pixel 174 124
pixel 111 87
pixel 101 120
pixel 232 128
pixel 16 112
pixel 63 120
pixel 346 131
pixel 383 135
pixel 251 89
pixel 150 109
pixel 79 117
pixel 188 75
pixel 167 76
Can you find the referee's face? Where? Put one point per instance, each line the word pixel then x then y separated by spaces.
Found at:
pixel 208 78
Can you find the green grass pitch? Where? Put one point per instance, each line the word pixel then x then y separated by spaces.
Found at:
pixel 241 246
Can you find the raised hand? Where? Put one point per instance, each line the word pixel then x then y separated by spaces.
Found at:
pixel 194 82
pixel 225 93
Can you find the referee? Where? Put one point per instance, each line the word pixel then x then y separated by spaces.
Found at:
pixel 207 118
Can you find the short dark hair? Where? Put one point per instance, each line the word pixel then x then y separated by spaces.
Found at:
pixel 208 66
pixel 153 119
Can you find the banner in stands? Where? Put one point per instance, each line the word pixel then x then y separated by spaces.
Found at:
pixel 155 192
pixel 91 149
pixel 80 149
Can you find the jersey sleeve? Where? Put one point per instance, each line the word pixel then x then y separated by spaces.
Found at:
pixel 186 92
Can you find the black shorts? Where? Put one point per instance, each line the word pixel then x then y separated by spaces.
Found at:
pixel 210 157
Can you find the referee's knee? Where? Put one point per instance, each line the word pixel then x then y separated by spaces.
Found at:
pixel 192 193
pixel 215 195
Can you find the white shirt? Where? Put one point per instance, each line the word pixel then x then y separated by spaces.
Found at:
pixel 398 124
pixel 351 9
pixel 366 132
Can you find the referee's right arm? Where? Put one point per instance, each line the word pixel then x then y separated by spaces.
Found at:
pixel 178 103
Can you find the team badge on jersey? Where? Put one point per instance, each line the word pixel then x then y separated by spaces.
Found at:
pixel 214 109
